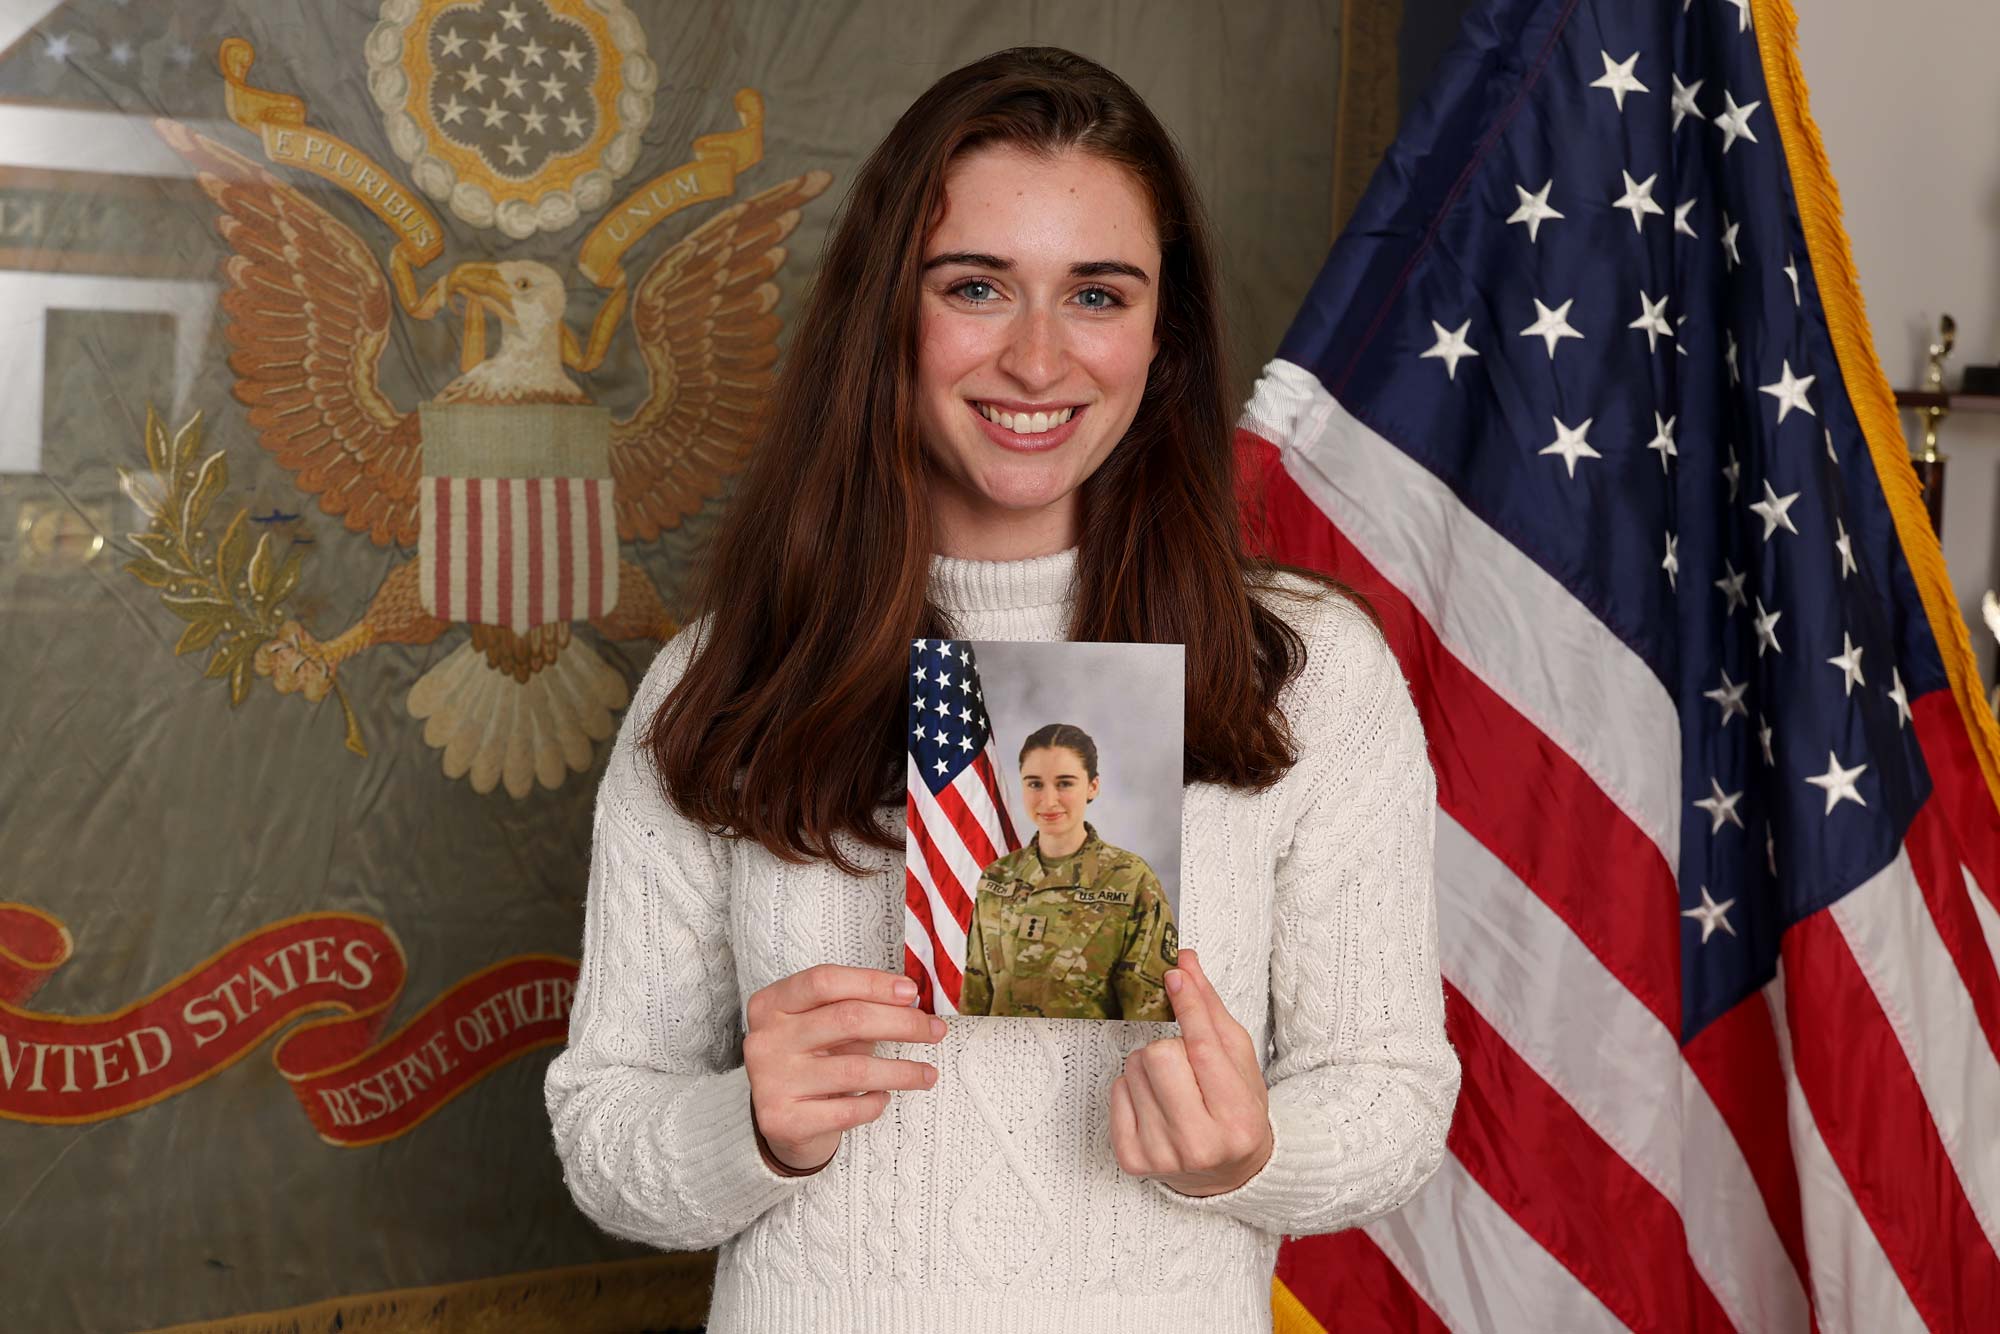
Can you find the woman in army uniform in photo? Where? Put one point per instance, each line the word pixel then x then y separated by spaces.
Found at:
pixel 1068 927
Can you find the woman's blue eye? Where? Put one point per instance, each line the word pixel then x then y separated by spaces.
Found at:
pixel 967 285
pixel 1110 297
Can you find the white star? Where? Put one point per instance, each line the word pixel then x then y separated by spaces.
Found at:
pixel 494 114
pixel 472 80
pixel 1711 915
pixel 59 47
pixel 1845 545
pixel 512 16
pixel 534 119
pixel 1829 445
pixel 1672 564
pixel 1684 101
pixel 1734 121
pixel 1534 209
pixel 1652 320
pixel 453 111
pixel 1742 14
pixel 572 122
pixel 965 742
pixel 1638 198
pixel 552 89
pixel 940 707
pixel 1680 345
pixel 493 47
pixel 1901 697
pixel 1618 77
pixel 1735 376
pixel 1451 347
pixel 1764 739
pixel 1721 807
pixel 1663 438
pixel 451 42
pixel 1729 239
pixel 531 52
pixel 1551 325
pixel 919 734
pixel 1849 663
pixel 964 715
pixel 1790 391
pixel 1733 472
pixel 1731 585
pixel 571 56
pixel 1772 510
pixel 1681 223
pixel 944 683
pixel 1838 783
pixel 1571 445
pixel 512 83
pixel 1791 270
pixel 1729 697
pixel 942 766
pixel 1767 629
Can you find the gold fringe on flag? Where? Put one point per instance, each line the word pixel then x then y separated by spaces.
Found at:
pixel 1289 1314
pixel 1832 260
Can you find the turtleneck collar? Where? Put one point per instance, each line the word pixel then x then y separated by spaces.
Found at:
pixel 1035 583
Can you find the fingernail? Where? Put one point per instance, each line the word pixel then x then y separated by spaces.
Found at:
pixel 1175 981
pixel 930 1075
pixel 937 1028
pixel 906 990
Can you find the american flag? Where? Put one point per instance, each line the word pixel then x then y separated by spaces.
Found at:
pixel 957 820
pixel 1585 401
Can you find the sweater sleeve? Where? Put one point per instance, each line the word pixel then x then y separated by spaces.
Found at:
pixel 649 1101
pixel 1362 1077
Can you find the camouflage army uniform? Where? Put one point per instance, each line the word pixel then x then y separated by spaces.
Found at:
pixel 1087 936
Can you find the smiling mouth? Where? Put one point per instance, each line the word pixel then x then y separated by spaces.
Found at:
pixel 1053 432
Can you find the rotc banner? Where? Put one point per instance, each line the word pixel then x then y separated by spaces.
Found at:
pixel 60 1070
pixel 372 379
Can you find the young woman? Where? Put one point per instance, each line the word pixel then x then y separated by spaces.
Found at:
pixel 1067 926
pixel 1003 415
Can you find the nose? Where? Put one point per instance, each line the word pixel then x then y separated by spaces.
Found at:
pixel 1035 354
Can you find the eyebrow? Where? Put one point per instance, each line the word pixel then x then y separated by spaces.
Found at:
pixel 1095 268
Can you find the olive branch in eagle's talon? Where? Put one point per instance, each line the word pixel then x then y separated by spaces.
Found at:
pixel 229 590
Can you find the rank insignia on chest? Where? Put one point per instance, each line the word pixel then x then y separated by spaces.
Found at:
pixel 1034 928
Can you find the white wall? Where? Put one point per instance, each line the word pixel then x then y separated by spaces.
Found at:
pixel 1908 103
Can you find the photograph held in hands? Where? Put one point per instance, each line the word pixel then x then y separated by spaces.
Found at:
pixel 1042 861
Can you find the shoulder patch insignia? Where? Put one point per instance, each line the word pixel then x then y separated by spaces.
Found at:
pixel 1170 944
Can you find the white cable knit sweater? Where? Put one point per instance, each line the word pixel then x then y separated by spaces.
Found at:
pixel 993 1200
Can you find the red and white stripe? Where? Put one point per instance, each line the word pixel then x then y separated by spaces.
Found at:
pixel 954 834
pixel 1835 1167
pixel 517 551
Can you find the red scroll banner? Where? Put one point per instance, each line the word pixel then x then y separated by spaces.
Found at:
pixel 60 1070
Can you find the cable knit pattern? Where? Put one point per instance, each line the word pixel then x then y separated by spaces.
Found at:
pixel 994 1197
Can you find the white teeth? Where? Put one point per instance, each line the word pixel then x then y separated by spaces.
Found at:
pixel 1025 423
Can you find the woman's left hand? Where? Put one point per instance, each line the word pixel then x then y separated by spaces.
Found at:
pixel 1193 1110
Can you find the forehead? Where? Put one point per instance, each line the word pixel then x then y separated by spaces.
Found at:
pixel 1006 201
pixel 1052 759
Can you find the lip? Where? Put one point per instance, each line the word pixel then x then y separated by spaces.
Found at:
pixel 1026 444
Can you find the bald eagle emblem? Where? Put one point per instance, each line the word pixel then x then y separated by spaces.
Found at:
pixel 509 498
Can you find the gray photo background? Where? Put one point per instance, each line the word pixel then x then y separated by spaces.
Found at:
pixel 1128 697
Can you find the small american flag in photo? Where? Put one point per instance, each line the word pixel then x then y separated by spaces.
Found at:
pixel 957 821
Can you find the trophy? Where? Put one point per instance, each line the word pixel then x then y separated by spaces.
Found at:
pixel 1933 406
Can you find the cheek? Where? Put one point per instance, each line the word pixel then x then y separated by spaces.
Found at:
pixel 947 349
pixel 1119 356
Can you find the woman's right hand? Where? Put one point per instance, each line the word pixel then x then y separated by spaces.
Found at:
pixel 809 1054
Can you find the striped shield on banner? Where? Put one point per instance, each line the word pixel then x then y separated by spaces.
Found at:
pixel 518 528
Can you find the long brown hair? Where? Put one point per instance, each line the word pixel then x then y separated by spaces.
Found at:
pixel 786 725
